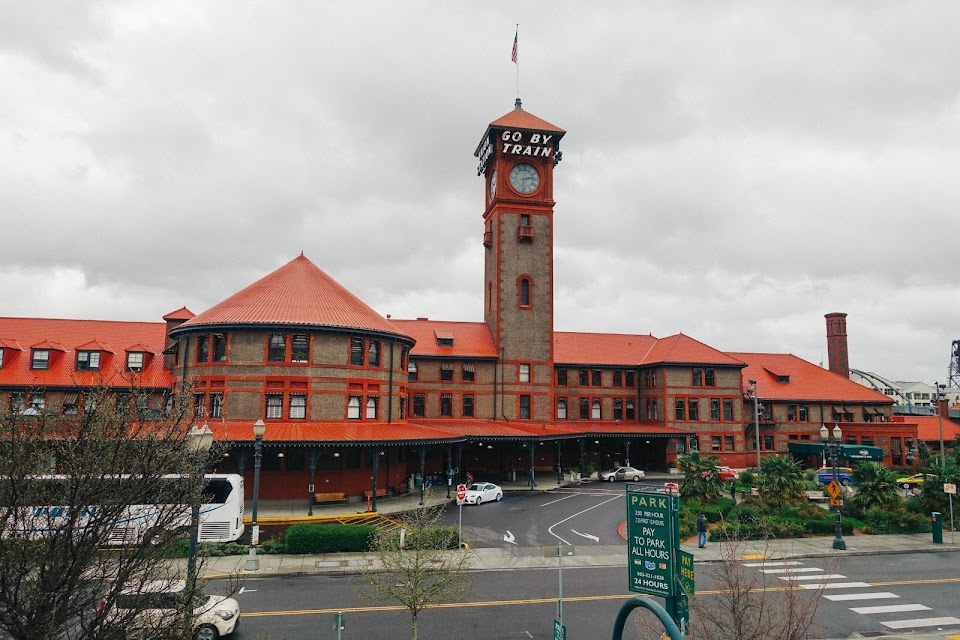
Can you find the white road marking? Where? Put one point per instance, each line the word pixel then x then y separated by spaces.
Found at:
pixel 600 504
pixel 891 608
pixel 880 595
pixel 245 590
pixel 835 585
pixel 794 570
pixel 545 504
pixel 920 622
pixel 509 537
pixel 789 563
pixel 586 535
pixel 821 577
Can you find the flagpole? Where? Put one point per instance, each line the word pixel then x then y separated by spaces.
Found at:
pixel 516 59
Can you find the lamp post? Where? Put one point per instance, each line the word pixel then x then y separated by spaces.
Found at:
pixel 942 453
pixel 831 442
pixel 752 393
pixel 199 440
pixel 253 562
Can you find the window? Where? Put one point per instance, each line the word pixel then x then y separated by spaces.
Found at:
pixel 715 408
pixel 17 401
pixel 729 443
pixel 561 408
pixel 728 410
pixel 768 443
pixel 680 409
pixel 274 406
pixel 584 408
pixel 70 404
pixel 524 293
pixel 277 351
pixel 618 378
pixel 631 379
pixel 203 347
pixel 40 359
pixel 300 348
pixel 404 353
pixel 618 408
pixel 653 410
pixel 524 407
pixel 866 441
pixel 631 409
pixel 298 406
pixel 37 401
pixel 135 361
pixel 403 407
pixel 199 402
pixel 524 372
pixel 219 347
pixel 88 360
pixel 595 409
pixel 353 408
pixel 467 405
pixel 446 405
pixel 356 352
pixel 693 409
pixel 216 405
pixel 709 378
pixel 373 405
pixel 716 443
pixel 412 372
pixel 697 377
pixel 469 375
pixel 1 357
pixel 446 371
pixel 561 377
pixel 373 353
pixel 803 413
pixel 419 409
pixel 596 378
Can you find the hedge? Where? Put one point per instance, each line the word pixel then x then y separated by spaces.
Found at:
pixel 328 538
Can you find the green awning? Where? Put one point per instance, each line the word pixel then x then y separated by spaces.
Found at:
pixel 848 451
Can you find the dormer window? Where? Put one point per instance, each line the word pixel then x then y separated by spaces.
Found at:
pixel 88 360
pixel 135 361
pixel 2 351
pixel 444 338
pixel 40 359
pixel 783 379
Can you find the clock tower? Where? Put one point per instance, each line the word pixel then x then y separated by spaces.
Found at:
pixel 517 156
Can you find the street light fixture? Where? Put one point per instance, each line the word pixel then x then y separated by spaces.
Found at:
pixel 199 441
pixel 831 442
pixel 752 393
pixel 943 463
pixel 253 562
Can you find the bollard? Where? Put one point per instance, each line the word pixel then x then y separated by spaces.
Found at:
pixel 937 526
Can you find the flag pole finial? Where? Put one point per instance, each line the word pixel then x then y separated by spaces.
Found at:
pixel 517 104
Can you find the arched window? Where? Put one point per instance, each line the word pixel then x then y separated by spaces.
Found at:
pixel 525 291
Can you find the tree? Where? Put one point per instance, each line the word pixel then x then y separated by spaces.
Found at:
pixel 876 487
pixel 59 567
pixel 419 569
pixel 747 604
pixel 701 479
pixel 932 496
pixel 782 481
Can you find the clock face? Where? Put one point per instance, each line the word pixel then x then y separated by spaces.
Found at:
pixel 493 185
pixel 524 178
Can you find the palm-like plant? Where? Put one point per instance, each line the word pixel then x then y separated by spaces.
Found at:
pixel 876 487
pixel 701 479
pixel 782 481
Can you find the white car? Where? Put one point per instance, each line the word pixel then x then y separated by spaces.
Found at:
pixel 483 492
pixel 622 473
pixel 158 602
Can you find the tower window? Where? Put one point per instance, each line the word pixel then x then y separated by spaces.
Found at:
pixel 412 371
pixel 524 407
pixel 525 285
pixel 525 231
pixel 525 372
pixel 216 405
pixel 561 408
pixel 203 347
pixel 373 353
pixel 373 403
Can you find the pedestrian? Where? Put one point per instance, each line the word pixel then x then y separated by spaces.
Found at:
pixel 701 531
pixel 469 478
pixel 533 480
pixel 733 490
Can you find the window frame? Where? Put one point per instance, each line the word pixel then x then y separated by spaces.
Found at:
pixel 202 350
pixel 38 363
pixel 525 406
pixel 298 402
pixel 446 405
pixel 562 377
pixel 300 354
pixel 524 372
pixel 276 352
pixel 465 400
pixel 468 367
pixel 562 408
pixel 86 355
pixel 130 356
pixel 218 347
pixel 421 400
pixel 354 406
pixel 273 406
pixel 357 356
pixel 446 372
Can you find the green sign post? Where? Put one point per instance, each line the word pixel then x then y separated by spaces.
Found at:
pixel 559 630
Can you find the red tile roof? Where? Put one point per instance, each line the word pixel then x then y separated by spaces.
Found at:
pixel 8 343
pixel 928 428
pixel 298 293
pixel 600 348
pixel 47 333
pixel 332 432
pixel 682 349
pixel 180 314
pixel 807 381
pixel 470 339
pixel 520 119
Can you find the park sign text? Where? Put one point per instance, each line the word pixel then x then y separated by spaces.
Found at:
pixel 651 541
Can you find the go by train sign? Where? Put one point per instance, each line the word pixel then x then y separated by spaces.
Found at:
pixel 518 142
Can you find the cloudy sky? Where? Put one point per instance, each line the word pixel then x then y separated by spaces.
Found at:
pixel 731 170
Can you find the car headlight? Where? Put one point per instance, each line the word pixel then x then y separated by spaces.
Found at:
pixel 224 614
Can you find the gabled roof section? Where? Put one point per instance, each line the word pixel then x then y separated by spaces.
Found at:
pixel 928 427
pixel 600 348
pixel 807 381
pixel 520 119
pixel 180 314
pixel 9 343
pixel 137 348
pixel 94 345
pixel 49 344
pixel 470 339
pixel 297 294
pixel 682 349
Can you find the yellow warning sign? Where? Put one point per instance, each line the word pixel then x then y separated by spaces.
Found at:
pixel 834 489
pixel 836 502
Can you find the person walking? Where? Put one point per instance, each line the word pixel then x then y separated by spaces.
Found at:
pixel 733 490
pixel 533 480
pixel 701 531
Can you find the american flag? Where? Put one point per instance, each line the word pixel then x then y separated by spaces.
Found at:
pixel 513 55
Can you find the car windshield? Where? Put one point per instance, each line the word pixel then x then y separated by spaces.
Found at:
pixel 157 600
pixel 476 487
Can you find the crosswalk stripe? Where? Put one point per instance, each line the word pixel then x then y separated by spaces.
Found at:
pixel 920 622
pixel 891 608
pixel 825 576
pixel 788 563
pixel 837 597
pixel 835 585
pixel 792 570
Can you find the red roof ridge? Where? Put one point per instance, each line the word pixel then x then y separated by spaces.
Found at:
pixel 180 314
pixel 49 344
pixel 10 343
pixel 138 347
pixel 97 346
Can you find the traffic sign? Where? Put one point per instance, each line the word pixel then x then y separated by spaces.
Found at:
pixel 671 488
pixel 461 493
pixel 651 542
pixel 559 630
pixel 836 502
pixel 685 559
pixel 834 489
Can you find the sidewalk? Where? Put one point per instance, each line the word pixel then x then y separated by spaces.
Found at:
pixel 512 557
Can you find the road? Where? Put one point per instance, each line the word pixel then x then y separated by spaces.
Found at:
pixel 514 605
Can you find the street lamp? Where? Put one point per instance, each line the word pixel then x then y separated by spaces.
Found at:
pixel 942 458
pixel 831 442
pixel 199 440
pixel 752 393
pixel 253 562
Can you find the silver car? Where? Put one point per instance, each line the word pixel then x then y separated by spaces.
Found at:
pixel 622 473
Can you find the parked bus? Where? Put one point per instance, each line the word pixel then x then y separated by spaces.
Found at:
pixel 221 514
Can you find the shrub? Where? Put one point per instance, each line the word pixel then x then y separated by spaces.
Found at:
pixel 880 521
pixel 747 478
pixel 328 538
pixel 273 545
pixel 431 538
pixel 712 510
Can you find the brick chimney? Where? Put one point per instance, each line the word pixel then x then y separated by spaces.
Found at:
pixel 837 344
